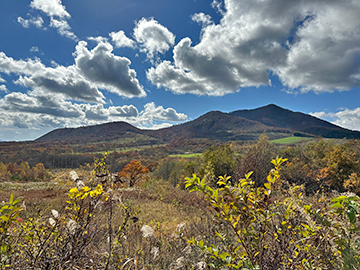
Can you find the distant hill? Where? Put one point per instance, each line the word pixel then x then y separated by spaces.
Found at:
pixel 275 116
pixel 104 132
pixel 238 125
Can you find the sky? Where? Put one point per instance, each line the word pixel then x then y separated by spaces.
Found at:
pixel 153 64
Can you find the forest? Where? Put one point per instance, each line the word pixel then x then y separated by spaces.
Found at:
pixel 199 204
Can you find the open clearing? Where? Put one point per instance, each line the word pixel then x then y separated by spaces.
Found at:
pixel 292 139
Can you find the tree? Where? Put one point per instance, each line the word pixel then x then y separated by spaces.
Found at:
pixel 134 172
pixel 220 158
pixel 257 159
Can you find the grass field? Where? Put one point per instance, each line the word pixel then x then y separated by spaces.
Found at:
pixel 291 140
pixel 186 155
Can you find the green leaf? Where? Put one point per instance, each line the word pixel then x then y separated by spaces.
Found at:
pixel 337 205
pixel 339 199
pixel 352 216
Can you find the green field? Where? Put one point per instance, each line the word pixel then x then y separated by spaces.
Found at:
pixel 292 139
pixel 186 155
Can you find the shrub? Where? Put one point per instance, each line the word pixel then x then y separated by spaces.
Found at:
pixel 277 227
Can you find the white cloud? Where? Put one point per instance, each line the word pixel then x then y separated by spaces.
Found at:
pixel 3 88
pixel 57 14
pixel 33 112
pixel 34 49
pixel 159 113
pixel 65 82
pixel 51 8
pixel 98 39
pixel 322 115
pixel 153 37
pixel 310 45
pixel 38 22
pixel 202 18
pixel 63 28
pixel 324 56
pixel 107 70
pixel 218 5
pixel 121 40
pixel 19 102
pixel 157 126
pixel 196 72
pixel 345 118
pixel 93 70
pixel 124 111
pixel 9 65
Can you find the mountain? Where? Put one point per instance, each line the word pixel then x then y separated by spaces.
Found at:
pixel 217 125
pixel 275 116
pixel 238 125
pixel 104 132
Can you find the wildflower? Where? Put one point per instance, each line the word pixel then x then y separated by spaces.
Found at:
pixel 55 213
pixel 147 231
pixel 52 222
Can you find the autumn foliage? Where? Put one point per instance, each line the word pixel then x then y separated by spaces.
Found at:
pixel 133 172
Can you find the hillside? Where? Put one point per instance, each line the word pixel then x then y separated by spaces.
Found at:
pixel 215 125
pixel 105 132
pixel 275 116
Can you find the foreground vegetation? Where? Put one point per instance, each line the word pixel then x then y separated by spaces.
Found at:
pixel 248 209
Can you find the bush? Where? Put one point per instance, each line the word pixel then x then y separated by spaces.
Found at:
pixel 277 227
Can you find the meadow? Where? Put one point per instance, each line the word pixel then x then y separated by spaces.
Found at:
pixel 235 206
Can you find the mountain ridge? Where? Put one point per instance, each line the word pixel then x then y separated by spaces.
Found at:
pixel 274 115
pixel 216 125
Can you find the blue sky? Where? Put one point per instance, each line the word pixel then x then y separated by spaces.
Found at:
pixel 70 63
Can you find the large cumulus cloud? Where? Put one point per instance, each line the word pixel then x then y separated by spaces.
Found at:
pixel 107 70
pixel 310 45
pixel 93 70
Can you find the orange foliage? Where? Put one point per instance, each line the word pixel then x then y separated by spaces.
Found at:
pixel 134 172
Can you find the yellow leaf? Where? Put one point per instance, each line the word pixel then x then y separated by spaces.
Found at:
pixel 73 190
